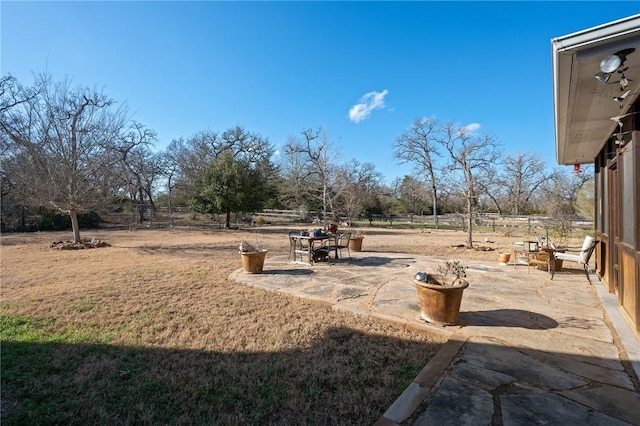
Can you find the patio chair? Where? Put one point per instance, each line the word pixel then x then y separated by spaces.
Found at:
pixel 292 244
pixel 342 242
pixel 588 246
pixel 297 246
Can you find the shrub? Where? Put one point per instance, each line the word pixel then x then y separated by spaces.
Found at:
pixel 52 220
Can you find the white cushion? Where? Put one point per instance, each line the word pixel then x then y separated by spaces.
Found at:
pixel 585 246
pixel 569 257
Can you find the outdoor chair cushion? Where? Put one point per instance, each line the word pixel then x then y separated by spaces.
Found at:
pixel 588 246
pixel 569 257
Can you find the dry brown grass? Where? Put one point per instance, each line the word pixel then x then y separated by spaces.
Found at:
pixel 150 331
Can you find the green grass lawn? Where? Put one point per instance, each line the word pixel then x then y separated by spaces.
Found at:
pixel 71 378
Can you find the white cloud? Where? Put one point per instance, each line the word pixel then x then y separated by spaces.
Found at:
pixel 470 128
pixel 367 103
pixel 473 127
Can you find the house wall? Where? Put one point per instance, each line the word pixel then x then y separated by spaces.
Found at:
pixel 617 191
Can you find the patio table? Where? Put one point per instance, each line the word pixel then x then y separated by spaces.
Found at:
pixel 538 257
pixel 313 247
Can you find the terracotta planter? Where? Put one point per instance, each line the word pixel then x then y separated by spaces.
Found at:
pixel 503 258
pixel 253 262
pixel 440 304
pixel 355 243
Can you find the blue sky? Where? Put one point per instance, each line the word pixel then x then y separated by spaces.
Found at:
pixel 362 70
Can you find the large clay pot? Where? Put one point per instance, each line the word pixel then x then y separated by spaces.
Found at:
pixel 503 258
pixel 355 243
pixel 440 304
pixel 253 262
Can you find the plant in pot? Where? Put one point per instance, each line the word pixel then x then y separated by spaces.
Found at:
pixel 252 257
pixel 440 294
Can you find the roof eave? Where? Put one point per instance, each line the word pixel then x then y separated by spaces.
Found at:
pixel 566 50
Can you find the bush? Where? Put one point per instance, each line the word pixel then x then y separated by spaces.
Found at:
pixel 89 220
pixel 51 220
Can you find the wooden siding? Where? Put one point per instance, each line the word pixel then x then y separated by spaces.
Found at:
pixel 617 257
pixel 630 290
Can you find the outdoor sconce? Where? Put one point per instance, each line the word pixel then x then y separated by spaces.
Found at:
pixel 613 63
pixel 610 64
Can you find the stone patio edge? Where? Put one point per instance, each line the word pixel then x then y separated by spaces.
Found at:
pixel 407 403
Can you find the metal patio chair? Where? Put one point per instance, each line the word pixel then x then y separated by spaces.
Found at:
pixel 588 246
pixel 297 246
pixel 342 242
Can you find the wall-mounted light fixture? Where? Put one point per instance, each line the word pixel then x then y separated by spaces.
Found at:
pixel 612 64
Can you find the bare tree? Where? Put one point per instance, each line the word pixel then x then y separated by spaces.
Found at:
pixel 169 169
pixel 524 174
pixel 13 195
pixel 140 165
pixel 585 200
pixel 495 187
pixel 295 193
pixel 187 164
pixel 359 185
pixel 562 190
pixel 12 93
pixel 320 162
pixel 470 156
pixel 560 195
pixel 412 195
pixel 418 145
pixel 64 138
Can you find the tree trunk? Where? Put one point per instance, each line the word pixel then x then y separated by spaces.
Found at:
pixel 23 219
pixel 170 206
pixel 73 214
pixel 469 222
pixel 324 206
pixel 141 208
pixel 435 207
pixel 227 223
